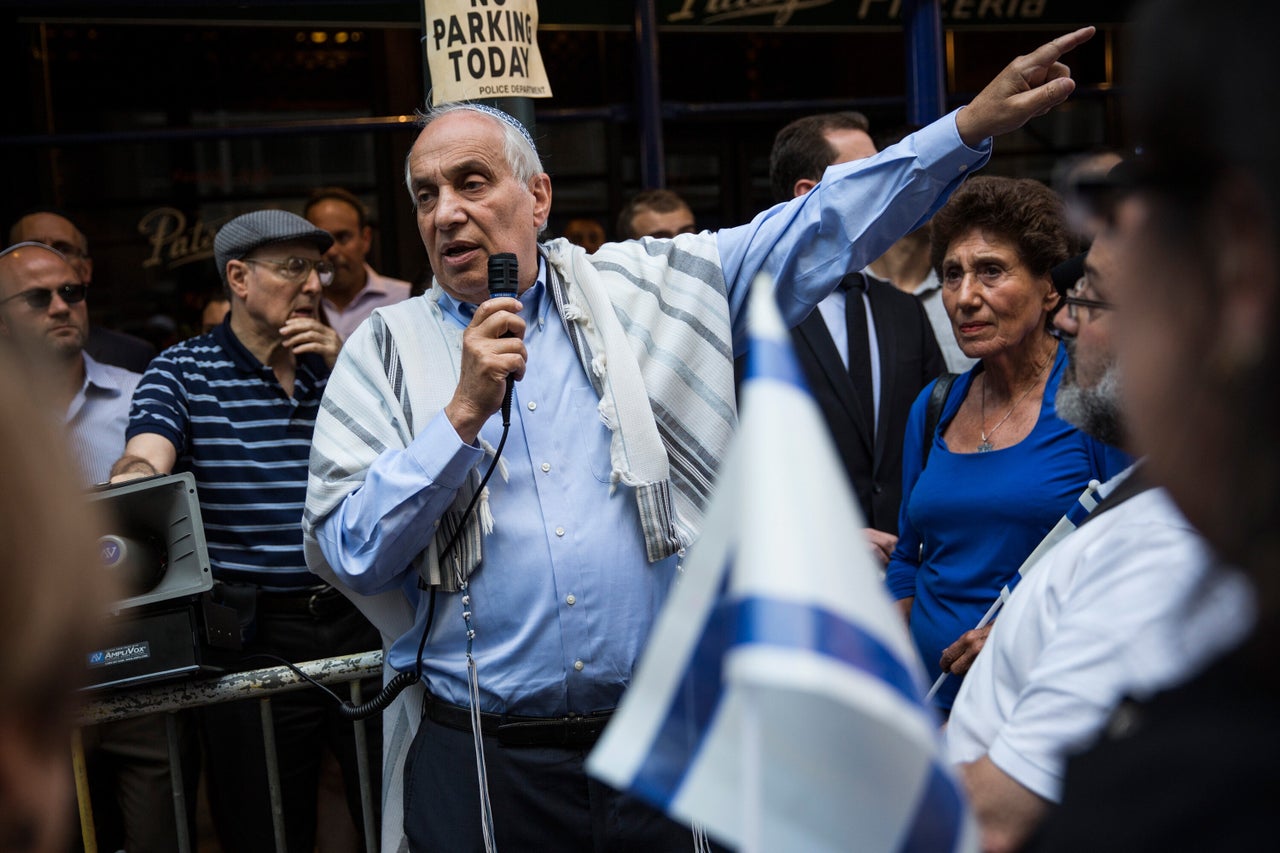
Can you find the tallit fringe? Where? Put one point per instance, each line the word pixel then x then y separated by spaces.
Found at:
pixel 502 463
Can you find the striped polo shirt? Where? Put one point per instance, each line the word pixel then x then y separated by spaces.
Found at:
pixel 246 443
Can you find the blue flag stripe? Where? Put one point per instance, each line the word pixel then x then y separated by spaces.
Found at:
pixel 693 704
pixel 768 359
pixel 1078 512
pixel 759 621
pixel 939 816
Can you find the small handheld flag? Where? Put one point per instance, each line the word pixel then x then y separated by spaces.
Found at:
pixel 780 702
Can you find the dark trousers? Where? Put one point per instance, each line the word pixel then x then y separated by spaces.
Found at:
pixel 542 800
pixel 306 723
pixel 130 786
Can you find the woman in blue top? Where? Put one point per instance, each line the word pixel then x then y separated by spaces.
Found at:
pixel 1002 468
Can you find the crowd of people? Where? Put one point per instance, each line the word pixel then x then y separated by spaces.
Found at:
pixel 997 362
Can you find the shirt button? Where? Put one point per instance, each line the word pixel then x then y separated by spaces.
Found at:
pixel 963 168
pixel 546 466
pixel 532 406
pixel 570 599
pixel 578 665
pixel 559 531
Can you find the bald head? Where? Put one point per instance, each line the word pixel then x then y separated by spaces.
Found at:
pixel 57 231
pixel 42 302
pixel 19 259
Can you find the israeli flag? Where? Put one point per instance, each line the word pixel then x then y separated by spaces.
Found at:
pixel 779 702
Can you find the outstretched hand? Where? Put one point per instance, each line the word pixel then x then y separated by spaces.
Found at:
pixel 1029 86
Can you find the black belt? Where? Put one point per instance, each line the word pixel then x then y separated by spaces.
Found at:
pixel 571 730
pixel 318 602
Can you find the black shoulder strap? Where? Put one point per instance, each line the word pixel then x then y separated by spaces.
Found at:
pixel 933 411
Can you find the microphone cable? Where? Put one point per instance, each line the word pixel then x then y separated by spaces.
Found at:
pixel 503 281
pixel 402 680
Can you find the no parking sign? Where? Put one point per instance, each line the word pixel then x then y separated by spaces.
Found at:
pixel 484 49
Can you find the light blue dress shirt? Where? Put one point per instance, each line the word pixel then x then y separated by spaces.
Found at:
pixel 97 418
pixel 565 598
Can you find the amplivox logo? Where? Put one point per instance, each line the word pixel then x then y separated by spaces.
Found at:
pixel 120 654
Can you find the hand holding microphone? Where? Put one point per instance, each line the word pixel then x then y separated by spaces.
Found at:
pixel 493 354
pixel 504 281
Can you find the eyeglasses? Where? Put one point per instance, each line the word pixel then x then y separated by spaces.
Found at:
pixel 297 270
pixel 40 298
pixel 1074 303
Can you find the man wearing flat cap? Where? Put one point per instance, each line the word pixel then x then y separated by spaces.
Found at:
pixel 236 407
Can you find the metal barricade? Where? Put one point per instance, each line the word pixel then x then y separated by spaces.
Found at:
pixel 258 684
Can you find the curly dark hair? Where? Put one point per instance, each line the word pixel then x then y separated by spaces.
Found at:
pixel 1025 212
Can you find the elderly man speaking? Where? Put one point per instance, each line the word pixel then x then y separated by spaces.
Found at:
pixel 525 613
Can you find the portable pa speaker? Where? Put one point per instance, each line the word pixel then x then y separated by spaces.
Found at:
pixel 156 547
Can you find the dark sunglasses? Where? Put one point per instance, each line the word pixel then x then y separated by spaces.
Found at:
pixel 40 298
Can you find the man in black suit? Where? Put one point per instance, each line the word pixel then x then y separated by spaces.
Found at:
pixel 868 349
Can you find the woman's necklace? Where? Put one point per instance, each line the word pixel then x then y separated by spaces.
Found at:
pixel 986 446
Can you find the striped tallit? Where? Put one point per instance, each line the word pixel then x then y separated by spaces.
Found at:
pixel 650 323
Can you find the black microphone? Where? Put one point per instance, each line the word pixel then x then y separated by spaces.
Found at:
pixel 504 281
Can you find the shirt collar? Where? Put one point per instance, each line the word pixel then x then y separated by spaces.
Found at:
pixel 929 285
pixel 96 377
pixel 372 282
pixel 373 286
pixel 534 301
pixel 240 355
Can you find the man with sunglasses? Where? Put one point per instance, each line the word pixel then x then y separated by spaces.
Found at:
pixel 53 229
pixel 44 316
pixel 237 407
pixel 1104 614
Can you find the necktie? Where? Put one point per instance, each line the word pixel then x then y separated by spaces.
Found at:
pixel 855 313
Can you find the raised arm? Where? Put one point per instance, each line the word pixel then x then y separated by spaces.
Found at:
pixel 860 208
pixel 1029 86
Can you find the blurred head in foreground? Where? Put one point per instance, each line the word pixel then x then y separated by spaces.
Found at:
pixel 1198 284
pixel 52 607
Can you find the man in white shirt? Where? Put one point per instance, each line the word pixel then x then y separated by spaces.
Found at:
pixel 1128 604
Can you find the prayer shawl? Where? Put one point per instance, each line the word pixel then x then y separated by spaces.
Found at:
pixel 650 323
